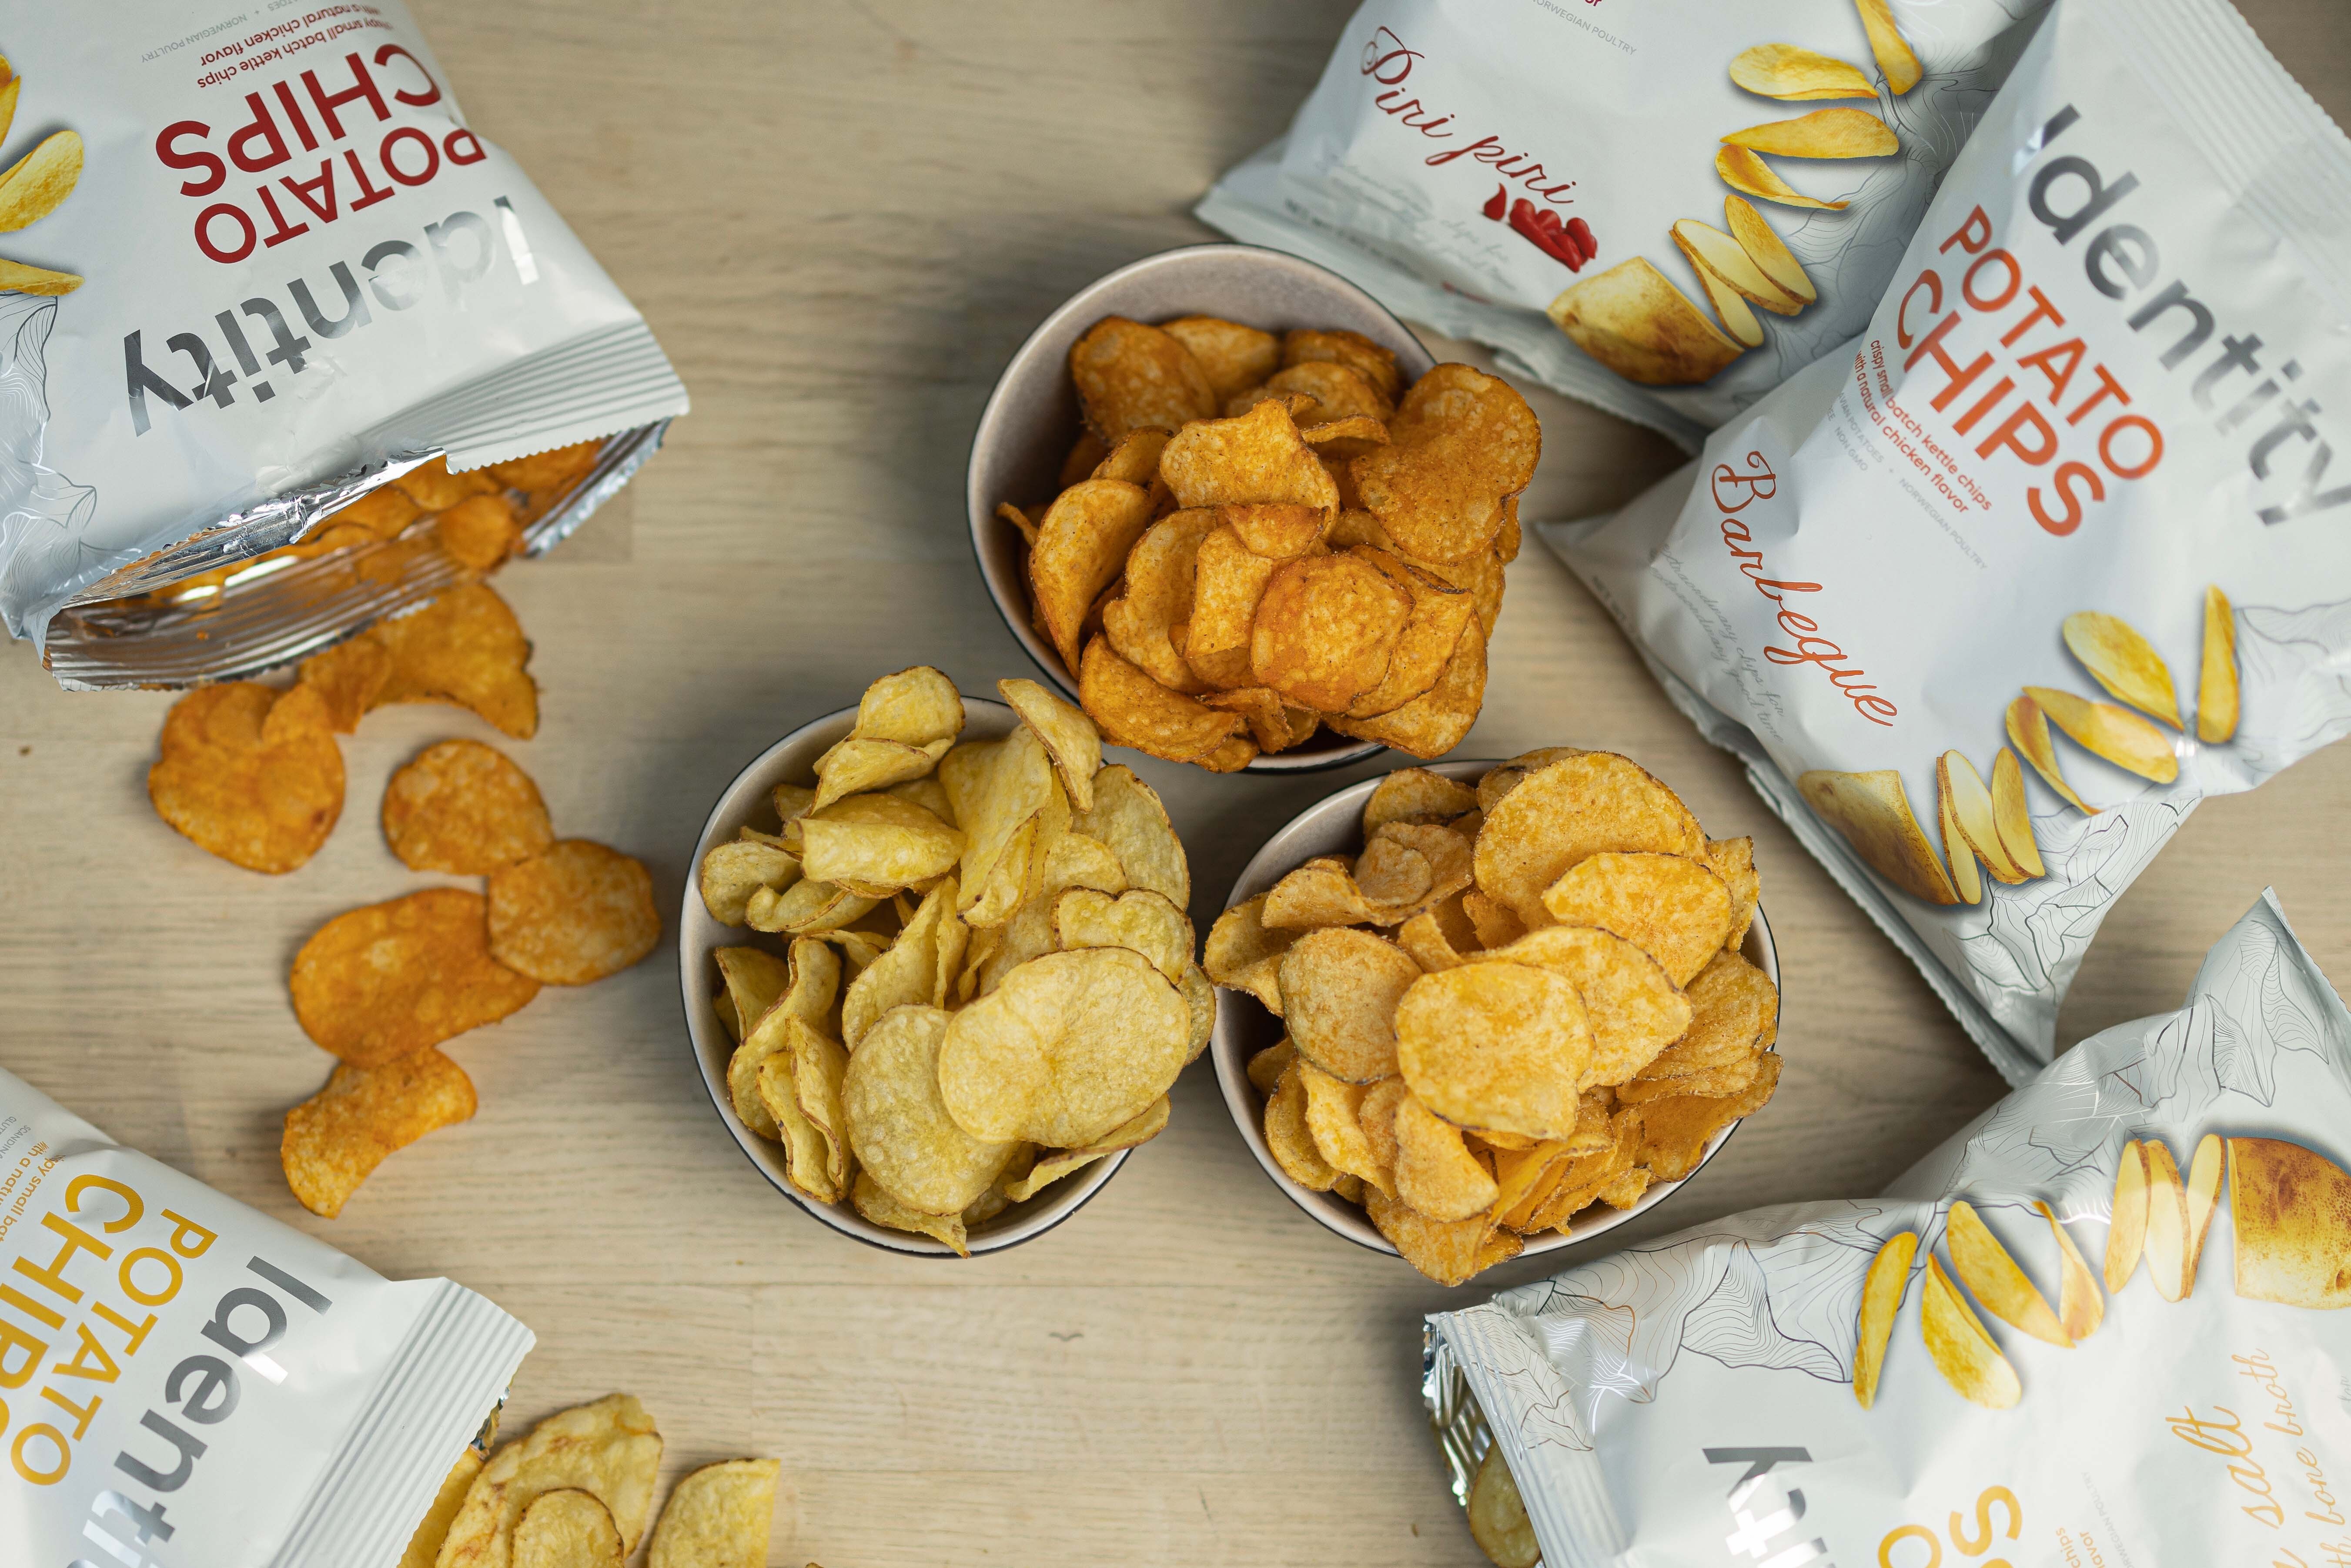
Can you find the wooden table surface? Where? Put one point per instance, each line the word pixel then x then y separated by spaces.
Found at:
pixel 841 219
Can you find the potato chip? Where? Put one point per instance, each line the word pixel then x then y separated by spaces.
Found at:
pixel 1632 320
pixel 1671 906
pixel 1340 990
pixel 731 873
pixel 37 182
pixel 566 1529
pixel 2028 731
pixel 813 984
pixel 1268 717
pixel 1415 795
pixel 856 764
pixel 1675 1131
pixel 2291 1208
pixel 434 488
pixel 335 1138
pixel 1435 1171
pixel 1770 254
pixel 1071 742
pixel 1961 1349
pixel 1494 925
pixel 1893 55
pixel 1434 722
pixel 1966 878
pixel 1019 518
pixel 887 844
pixel 806 907
pixel 1085 455
pixel 1130 375
pixel 1970 804
pixel 815 1159
pixel 1392 874
pixel 997 788
pixel 465 807
pixel 2080 1308
pixel 2167 1222
pixel 1134 458
pixel 1731 309
pixel 2116 734
pixel 1785 71
pixel 751 979
pixel 1632 1005
pixel 1374 362
pixel 1256 457
pixel 1140 920
pixel 2216 690
pixel 908 973
pixel 2127 1218
pixel 1134 710
pixel 1462 442
pixel 1081 547
pixel 1423 646
pixel 1577 807
pixel 1233 357
pixel 2119 659
pixel 15 277
pixel 1824 133
pixel 481 530
pixel 1334 391
pixel 1524 1178
pixel 1584 1178
pixel 573 913
pixel 1228 583
pixel 250 774
pixel 2204 1172
pixel 1289 1139
pixel 1449 1253
pixel 1733 860
pixel 425 1545
pixel 464 648
pixel 876 1205
pixel 1704 1084
pixel 1319 895
pixel 2010 819
pixel 1742 170
pixel 1710 251
pixel 1734 1014
pixel 1265 1068
pixel 899 1126
pixel 1881 1298
pixel 718 1517
pixel 349 676
pixel 1242 952
pixel 546 470
pixel 1325 630
pixel 1334 1120
pixel 1067 1047
pixel 610 1449
pixel 378 983
pixel 1992 1277
pixel 1441 857
pixel 385 511
pixel 1431 946
pixel 1497 1515
pixel 1490 1045
pixel 1160 571
pixel 1873 812
pixel 1340 440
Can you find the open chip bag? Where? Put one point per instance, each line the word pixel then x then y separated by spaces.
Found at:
pixel 255 268
pixel 2101 1324
pixel 184 1381
pixel 1989 598
pixel 1610 196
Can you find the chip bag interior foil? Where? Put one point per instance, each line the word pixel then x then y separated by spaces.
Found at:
pixel 1989 598
pixel 186 1381
pixel 2104 1323
pixel 253 264
pixel 1610 196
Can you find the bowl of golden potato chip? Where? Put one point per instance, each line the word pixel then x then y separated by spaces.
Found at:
pixel 1230 504
pixel 1484 1010
pixel 937 972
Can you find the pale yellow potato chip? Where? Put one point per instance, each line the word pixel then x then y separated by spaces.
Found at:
pixel 1289 1138
pixel 1431 946
pixel 1318 894
pixel 1885 43
pixel 1824 133
pixel 1770 254
pixel 2204 1174
pixel 907 973
pixel 2080 1308
pixel 1448 1252
pixel 1497 1515
pixel 819 1069
pixel 856 764
pixel 1632 1006
pixel 806 908
pixel 914 706
pixel 1244 953
pixel 1873 812
pixel 1158 597
pixel 876 1205
pixel 1129 375
pixel 1992 1277
pixel 2126 1218
pixel 2124 661
pixel 1731 309
pixel 425 1544
pixel 1967 878
pixel 2216 689
pixel 566 1527
pixel 888 843
pixel 1257 456
pixel 1712 252
pixel 2116 734
pixel 1881 1298
pixel 1340 991
pixel 2291 1208
pixel 1069 738
pixel 37 182
pixel 1139 920
pixel 731 873
pixel 1416 795
pixel 1742 170
pixel 15 277
pixel 812 1161
pixel 1671 906
pixel 610 1449
pixel 1958 1346
pixel 1491 1045
pixel 814 980
pixel 997 788
pixel 1070 1046
pixel 1233 357
pixel 1134 710
pixel 2167 1222
pixel 1579 806
pixel 1266 1067
pixel 1435 1171
pixel 1734 1015
pixel 1334 1120
pixel 2010 816
pixel 1785 71
pixel 1081 546
pixel 1632 320
pixel 898 1124
pixel 2028 731
pixel 718 1517
pixel 1390 873
pixel 1961 791
pixel 753 977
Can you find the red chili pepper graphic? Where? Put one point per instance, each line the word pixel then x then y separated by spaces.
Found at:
pixel 1494 203
pixel 1545 230
pixel 1581 232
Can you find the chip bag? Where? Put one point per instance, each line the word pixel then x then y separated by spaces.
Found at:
pixel 256 268
pixel 1609 197
pixel 189 1382
pixel 1991 597
pixel 2102 1325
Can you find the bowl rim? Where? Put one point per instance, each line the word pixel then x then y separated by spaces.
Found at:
pixel 1335 1214
pixel 697 940
pixel 980 511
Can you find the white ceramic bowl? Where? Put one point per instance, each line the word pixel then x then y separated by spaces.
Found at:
pixel 1331 826
pixel 1031 417
pixel 745 803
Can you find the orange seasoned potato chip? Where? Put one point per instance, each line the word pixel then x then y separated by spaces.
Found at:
pixel 1129 375
pixel 250 773
pixel 336 1137
pixel 544 471
pixel 1157 598
pixel 1499 1046
pixel 465 807
pixel 1081 546
pixel 481 530
pixel 1460 443
pixel 1228 584
pixel 1575 808
pixel 1325 629
pixel 380 982
pixel 350 677
pixel 384 511
pixel 1336 392
pixel 1433 723
pixel 1233 357
pixel 464 648
pixel 1671 906
pixel 1375 363
pixel 1425 644
pixel 1340 991
pixel 1134 710
pixel 1256 457
pixel 573 913
pixel 432 486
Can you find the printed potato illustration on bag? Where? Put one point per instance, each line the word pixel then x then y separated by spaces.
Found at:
pixel 1991 597
pixel 1637 197
pixel 2102 1325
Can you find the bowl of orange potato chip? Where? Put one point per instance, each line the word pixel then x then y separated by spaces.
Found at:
pixel 1480 1010
pixel 937 972
pixel 1230 504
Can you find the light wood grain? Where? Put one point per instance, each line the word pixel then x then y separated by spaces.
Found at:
pixel 841 218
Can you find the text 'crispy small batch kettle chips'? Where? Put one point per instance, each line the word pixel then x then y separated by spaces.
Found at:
pixel 1608 196
pixel 186 1381
pixel 2103 1324
pixel 1992 596
pixel 258 272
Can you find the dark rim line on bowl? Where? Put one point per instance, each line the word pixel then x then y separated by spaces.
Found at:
pixel 917 1244
pixel 1309 762
pixel 1292 1191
